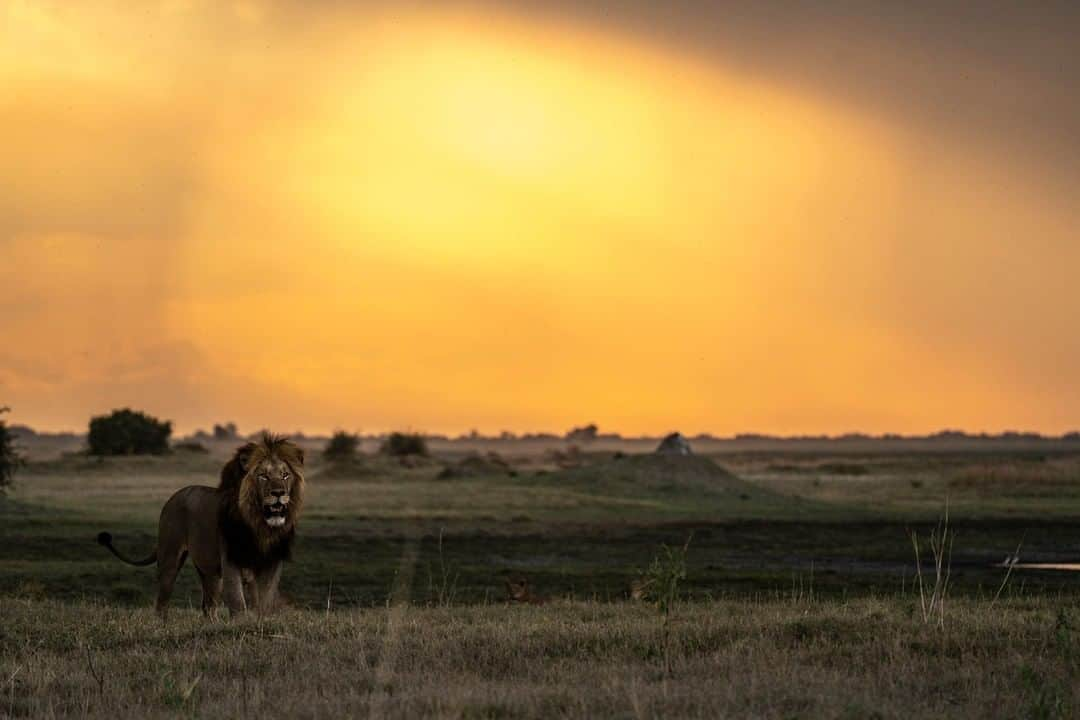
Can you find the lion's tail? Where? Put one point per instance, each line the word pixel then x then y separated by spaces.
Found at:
pixel 105 539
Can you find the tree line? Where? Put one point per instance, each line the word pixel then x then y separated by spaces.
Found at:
pixel 133 432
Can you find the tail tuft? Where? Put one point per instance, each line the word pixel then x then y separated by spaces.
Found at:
pixel 104 538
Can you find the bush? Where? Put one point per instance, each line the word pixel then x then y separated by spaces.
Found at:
pixel 342 447
pixel 10 459
pixel 661 581
pixel 225 432
pixel 127 432
pixel 401 444
pixel 586 434
pixel 191 446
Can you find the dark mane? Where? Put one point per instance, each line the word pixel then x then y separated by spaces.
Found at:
pixel 235 469
pixel 246 546
pixel 267 445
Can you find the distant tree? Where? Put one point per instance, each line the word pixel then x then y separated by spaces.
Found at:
pixel 342 447
pixel 949 435
pixel 400 444
pixel 582 434
pixel 10 458
pixel 540 436
pixel 128 432
pixel 225 432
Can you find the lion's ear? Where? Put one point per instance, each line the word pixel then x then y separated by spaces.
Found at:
pixel 235 470
pixel 300 455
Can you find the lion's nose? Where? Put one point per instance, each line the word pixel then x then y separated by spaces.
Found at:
pixel 278 493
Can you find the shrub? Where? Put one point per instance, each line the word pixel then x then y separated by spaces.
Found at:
pixel 191 446
pixel 586 434
pixel 342 447
pixel 225 432
pixel 128 432
pixel 660 583
pixel 10 459
pixel 401 444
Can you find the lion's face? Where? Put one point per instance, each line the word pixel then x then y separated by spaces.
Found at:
pixel 271 490
pixel 517 589
pixel 273 479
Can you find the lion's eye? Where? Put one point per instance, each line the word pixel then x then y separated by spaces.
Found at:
pixel 285 476
pixel 263 478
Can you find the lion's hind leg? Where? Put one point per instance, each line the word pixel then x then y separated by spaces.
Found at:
pixel 169 565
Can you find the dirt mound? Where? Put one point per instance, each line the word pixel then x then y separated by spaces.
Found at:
pixel 656 472
pixel 477 465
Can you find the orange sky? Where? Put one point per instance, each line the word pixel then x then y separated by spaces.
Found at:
pixel 467 218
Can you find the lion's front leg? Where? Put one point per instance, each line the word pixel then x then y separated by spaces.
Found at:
pixel 266 583
pixel 233 581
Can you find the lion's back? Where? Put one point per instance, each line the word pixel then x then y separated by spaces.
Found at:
pixel 189 521
pixel 193 500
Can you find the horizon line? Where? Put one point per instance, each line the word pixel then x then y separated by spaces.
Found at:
pixel 507 435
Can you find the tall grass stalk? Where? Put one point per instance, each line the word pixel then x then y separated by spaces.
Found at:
pixel 444 589
pixel 932 596
pixel 1010 563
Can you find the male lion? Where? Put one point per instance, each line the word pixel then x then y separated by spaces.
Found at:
pixel 238 533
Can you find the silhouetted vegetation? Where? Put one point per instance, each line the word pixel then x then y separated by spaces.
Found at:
pixel 225 432
pixel 128 432
pixel 401 444
pixel 191 446
pixel 342 447
pixel 10 459
pixel 477 465
pixel 586 434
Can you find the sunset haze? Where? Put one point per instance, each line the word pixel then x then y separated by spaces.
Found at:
pixel 526 216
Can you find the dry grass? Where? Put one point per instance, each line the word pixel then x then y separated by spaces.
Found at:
pixel 380 488
pixel 934 593
pixel 868 658
pixel 985 485
pixel 1011 655
pixel 1054 478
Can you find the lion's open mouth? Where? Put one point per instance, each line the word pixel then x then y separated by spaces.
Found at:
pixel 275 514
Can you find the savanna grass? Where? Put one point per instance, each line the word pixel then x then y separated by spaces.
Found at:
pixel 865 658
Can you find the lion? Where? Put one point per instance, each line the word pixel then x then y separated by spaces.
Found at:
pixel 641 589
pixel 519 591
pixel 237 534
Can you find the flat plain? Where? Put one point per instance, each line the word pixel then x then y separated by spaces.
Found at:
pixel 797 593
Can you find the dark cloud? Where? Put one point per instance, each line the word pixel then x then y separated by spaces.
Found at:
pixel 995 73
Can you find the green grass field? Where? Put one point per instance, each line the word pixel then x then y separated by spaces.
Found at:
pixel 799 597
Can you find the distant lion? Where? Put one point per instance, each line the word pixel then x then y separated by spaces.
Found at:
pixel 237 534
pixel 518 591
pixel 640 589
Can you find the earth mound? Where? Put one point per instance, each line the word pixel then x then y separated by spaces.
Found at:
pixel 659 472
pixel 477 465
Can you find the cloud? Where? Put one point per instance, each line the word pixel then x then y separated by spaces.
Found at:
pixel 795 218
